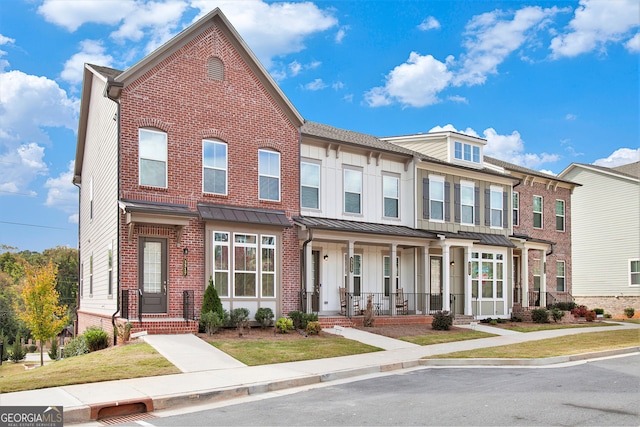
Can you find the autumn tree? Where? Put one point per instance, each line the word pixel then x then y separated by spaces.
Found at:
pixel 42 312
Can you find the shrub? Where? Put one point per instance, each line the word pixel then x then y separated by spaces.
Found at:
pixel 442 321
pixel 284 325
pixel 76 347
pixel 515 318
pixel 590 316
pixel 313 328
pixel 264 317
pixel 5 347
pixel 599 311
pixel 239 317
pixel 53 350
pixel 607 316
pixel 97 339
pixel 580 311
pixel 17 352
pixel 211 322
pixel 493 322
pixel 211 302
pixel 564 306
pixel 32 348
pixel 298 318
pixel 557 315
pixel 629 312
pixel 540 315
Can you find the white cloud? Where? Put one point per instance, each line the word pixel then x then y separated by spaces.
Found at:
pixel 570 116
pixel 337 85
pixel 62 194
pixel 20 166
pixel 261 24
pixel 621 156
pixel 491 38
pixel 342 32
pixel 429 23
pixel 72 14
pixel 294 68
pixel 317 84
pixel 633 45
pixel 509 148
pixel 91 51
pixel 595 24
pixel 3 62
pixel 6 40
pixel 415 83
pixel 459 99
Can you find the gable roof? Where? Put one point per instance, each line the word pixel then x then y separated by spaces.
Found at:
pixel 629 172
pixel 521 169
pixel 112 76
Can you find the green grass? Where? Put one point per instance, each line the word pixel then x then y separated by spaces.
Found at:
pixel 264 352
pixel 549 326
pixel 430 339
pixel 561 346
pixel 114 363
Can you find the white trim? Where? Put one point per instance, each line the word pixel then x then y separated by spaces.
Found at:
pixel 472 185
pixel 564 215
pixel 318 164
pixel 215 142
pixel 279 176
pixel 346 168
pixel 396 177
pixel 500 190
pixel 161 158
pixel 534 212
pixel 630 272
pixel 440 179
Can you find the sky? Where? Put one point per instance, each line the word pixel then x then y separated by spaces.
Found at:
pixel 546 83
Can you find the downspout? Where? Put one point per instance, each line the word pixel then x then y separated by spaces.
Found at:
pixel 118 302
pixel 75 327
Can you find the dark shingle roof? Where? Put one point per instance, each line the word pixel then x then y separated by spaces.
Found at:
pixel 632 169
pixel 109 73
pixel 243 215
pixel 522 169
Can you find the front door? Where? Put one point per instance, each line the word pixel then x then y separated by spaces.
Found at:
pixel 435 293
pixel 152 277
pixel 315 275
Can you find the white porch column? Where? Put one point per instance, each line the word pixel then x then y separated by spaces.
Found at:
pixel 524 265
pixel 426 280
pixel 543 279
pixel 468 297
pixel 350 263
pixel 446 286
pixel 308 273
pixel 394 272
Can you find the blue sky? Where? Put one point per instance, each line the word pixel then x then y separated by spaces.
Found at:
pixel 546 83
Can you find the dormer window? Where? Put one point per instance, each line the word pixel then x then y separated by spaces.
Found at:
pixel 466 152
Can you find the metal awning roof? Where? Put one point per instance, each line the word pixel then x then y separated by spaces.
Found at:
pixel 211 212
pixel 361 227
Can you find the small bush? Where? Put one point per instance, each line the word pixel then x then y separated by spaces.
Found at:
pixel 284 325
pixel 76 347
pixel 442 321
pixel 515 318
pixel 97 339
pixel 211 322
pixel 629 312
pixel 540 315
pixel 599 311
pixel 590 316
pixel 239 317
pixel 298 318
pixel 313 328
pixel 580 311
pixel 32 348
pixel 18 352
pixel 607 316
pixel 493 322
pixel 557 315
pixel 564 306
pixel 53 350
pixel 264 317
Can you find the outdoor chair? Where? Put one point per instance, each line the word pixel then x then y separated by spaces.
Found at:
pixel 402 305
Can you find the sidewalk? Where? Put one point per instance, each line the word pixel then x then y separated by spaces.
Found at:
pixel 210 375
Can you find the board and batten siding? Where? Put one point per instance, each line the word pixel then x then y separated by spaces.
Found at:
pixel 331 185
pixel 99 231
pixel 605 234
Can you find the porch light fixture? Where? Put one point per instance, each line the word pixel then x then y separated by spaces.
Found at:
pixel 185 251
pixel 452 263
pixel 326 257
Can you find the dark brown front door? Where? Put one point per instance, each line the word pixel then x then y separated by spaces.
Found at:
pixel 152 277
pixel 315 266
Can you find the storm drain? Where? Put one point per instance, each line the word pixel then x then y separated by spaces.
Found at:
pixel 126 419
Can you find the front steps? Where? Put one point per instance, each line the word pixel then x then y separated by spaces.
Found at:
pixel 462 319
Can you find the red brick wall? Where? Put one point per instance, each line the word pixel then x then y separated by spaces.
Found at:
pixel 562 249
pixel 177 97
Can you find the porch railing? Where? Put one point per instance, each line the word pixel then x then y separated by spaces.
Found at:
pixel 124 304
pixel 188 310
pixel 534 298
pixel 556 297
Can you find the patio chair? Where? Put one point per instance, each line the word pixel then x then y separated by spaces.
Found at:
pixel 344 303
pixel 402 305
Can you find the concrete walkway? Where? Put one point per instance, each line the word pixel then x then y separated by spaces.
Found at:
pixel 210 376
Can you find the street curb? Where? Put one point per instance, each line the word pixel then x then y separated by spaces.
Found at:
pixel 528 362
pixel 83 414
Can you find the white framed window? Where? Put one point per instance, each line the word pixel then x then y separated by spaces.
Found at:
pixel 561 281
pixel 221 253
pixel 516 208
pixel 386 274
pixel 81 279
pixel 634 272
pixel 152 158
pixel 560 215
pixel 537 211
pixel 245 265
pixel 91 275
pixel 352 191
pixel 436 198
pixel 496 206
pixel 214 167
pixel 391 196
pixel 91 198
pixel 309 185
pixel 467 203
pixel 110 269
pixel 268 266
pixel 466 152
pixel 487 275
pixel 357 273
pixel 537 274
pixel 269 175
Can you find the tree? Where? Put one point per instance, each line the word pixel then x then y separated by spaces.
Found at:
pixel 41 312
